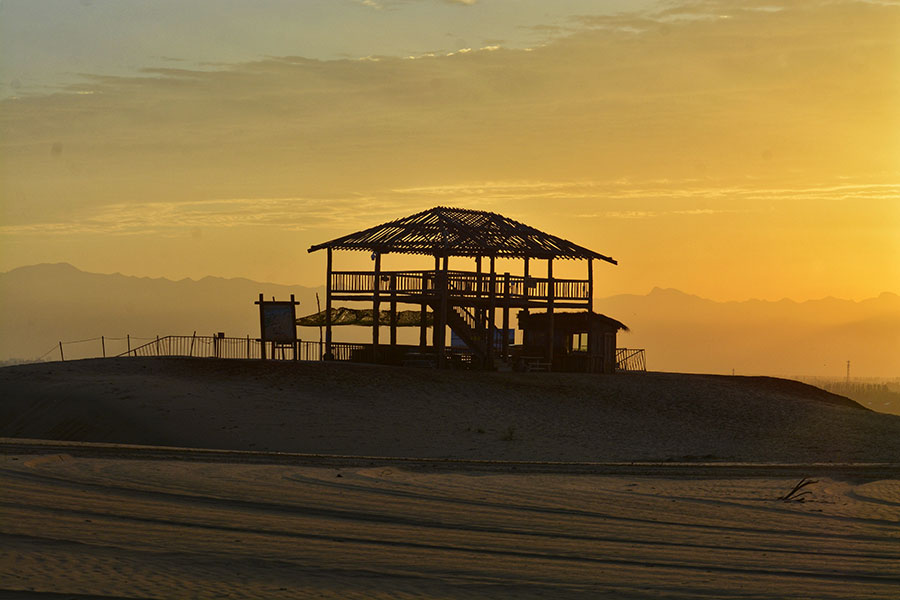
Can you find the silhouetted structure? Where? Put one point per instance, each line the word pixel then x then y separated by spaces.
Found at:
pixel 466 301
pixel 583 342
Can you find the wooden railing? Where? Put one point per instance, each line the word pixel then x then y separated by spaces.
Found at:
pixel 205 346
pixel 459 283
pixel 630 359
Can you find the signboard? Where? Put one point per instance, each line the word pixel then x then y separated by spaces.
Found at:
pixel 278 322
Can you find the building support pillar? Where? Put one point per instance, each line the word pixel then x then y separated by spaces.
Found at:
pixel 376 307
pixel 525 276
pixel 442 325
pixel 393 310
pixel 551 292
pixel 492 314
pixel 505 332
pixel 328 266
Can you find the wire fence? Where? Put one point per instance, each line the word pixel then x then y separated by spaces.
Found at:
pixel 201 346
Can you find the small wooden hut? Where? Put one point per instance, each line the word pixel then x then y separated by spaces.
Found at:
pixel 466 301
pixel 583 342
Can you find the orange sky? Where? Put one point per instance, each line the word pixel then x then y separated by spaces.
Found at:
pixel 729 152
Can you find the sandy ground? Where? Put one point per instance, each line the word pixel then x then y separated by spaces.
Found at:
pixel 85 520
pixel 117 528
pixel 358 409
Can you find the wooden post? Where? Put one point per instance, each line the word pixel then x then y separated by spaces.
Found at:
pixel 393 309
pixel 423 327
pixel 376 307
pixel 61 357
pixel 479 311
pixel 103 345
pixel 191 352
pixel 550 296
pixel 328 354
pixel 505 339
pixel 436 307
pixel 248 346
pixel 442 326
pixel 157 345
pixel 592 343
pixel 262 333
pixel 525 291
pixel 127 343
pixel 492 314
pixel 590 302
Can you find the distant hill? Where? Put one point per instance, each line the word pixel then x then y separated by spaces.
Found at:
pixel 44 304
pixel 817 337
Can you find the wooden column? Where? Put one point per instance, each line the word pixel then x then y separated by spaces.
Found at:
pixel 436 307
pixel 505 342
pixel 550 296
pixel 590 301
pixel 393 309
pixel 525 291
pixel 492 314
pixel 423 327
pixel 479 311
pixel 592 343
pixel 328 354
pixel 262 332
pixel 376 307
pixel 442 325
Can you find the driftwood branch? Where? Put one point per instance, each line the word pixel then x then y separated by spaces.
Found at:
pixel 796 495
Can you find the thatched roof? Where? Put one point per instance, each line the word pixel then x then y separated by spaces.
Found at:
pixel 568 321
pixel 443 231
pixel 363 316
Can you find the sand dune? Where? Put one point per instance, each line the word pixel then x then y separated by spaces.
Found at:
pixel 92 520
pixel 168 529
pixel 359 409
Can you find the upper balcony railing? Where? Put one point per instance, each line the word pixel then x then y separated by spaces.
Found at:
pixel 460 284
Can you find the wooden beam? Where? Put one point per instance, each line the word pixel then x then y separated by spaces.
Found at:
pixel 590 300
pixel 262 332
pixel 423 327
pixel 505 339
pixel 592 343
pixel 328 268
pixel 525 283
pixel 376 307
pixel 550 295
pixel 442 325
pixel 492 314
pixel 393 310
pixel 479 312
pixel 436 284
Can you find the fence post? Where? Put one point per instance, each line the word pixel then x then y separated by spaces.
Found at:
pixel 103 345
pixel 128 341
pixel 191 353
pixel 61 357
pixel 248 346
pixel 157 345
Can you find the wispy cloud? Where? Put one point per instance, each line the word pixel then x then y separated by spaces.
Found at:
pixel 584 200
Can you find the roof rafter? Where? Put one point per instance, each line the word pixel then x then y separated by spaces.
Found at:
pixel 446 231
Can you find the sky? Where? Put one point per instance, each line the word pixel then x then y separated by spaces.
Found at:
pixel 732 150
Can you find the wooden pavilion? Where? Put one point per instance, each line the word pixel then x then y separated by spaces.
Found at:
pixel 466 301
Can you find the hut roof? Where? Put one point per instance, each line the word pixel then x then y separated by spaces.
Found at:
pixel 447 231
pixel 568 321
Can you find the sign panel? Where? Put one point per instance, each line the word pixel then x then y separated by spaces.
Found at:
pixel 278 322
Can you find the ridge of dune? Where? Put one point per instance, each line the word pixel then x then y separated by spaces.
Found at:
pixel 366 410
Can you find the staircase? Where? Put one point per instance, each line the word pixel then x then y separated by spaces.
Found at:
pixel 464 324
